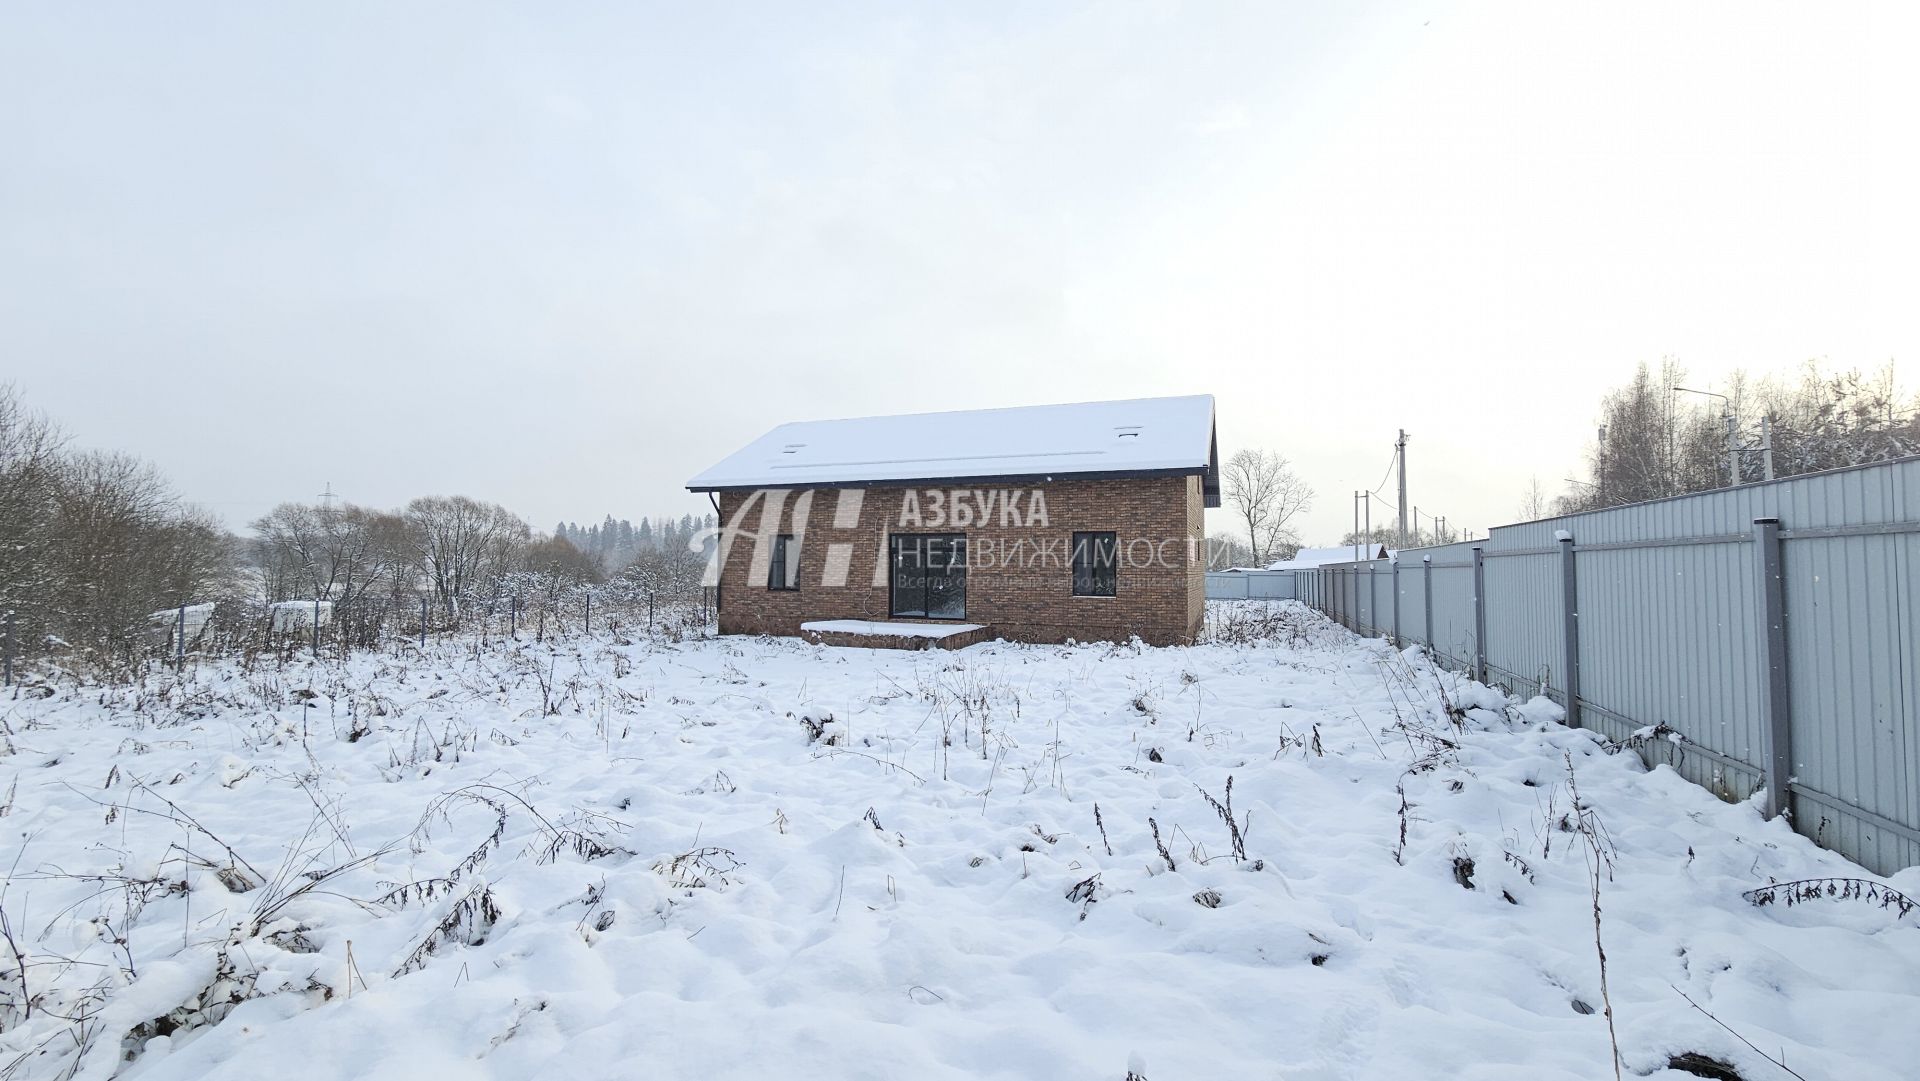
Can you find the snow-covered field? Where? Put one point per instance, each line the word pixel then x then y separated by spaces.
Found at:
pixel 747 858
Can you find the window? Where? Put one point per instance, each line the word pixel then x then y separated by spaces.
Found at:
pixel 1095 560
pixel 783 570
pixel 930 575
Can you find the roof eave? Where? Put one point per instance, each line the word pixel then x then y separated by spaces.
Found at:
pixel 1208 471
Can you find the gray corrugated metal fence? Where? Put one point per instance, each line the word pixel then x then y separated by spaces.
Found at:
pixel 1766 633
pixel 1250 585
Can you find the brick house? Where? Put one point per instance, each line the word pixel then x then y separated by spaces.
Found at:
pixel 1040 524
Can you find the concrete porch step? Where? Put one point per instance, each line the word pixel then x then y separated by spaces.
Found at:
pixel 894 634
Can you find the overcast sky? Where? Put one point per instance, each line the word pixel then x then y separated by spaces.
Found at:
pixel 565 257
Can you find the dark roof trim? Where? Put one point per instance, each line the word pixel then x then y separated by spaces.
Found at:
pixel 1210 482
pixel 1209 473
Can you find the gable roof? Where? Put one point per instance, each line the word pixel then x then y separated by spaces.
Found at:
pixel 1307 558
pixel 1140 437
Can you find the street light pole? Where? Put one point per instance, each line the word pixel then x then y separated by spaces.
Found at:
pixel 1733 432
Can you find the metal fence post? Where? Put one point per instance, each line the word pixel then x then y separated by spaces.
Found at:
pixel 1570 630
pixel 1773 593
pixel 1373 602
pixel 1479 614
pixel 1426 584
pixel 513 617
pixel 1396 603
pixel 423 621
pixel 589 618
pixel 6 651
pixel 316 626
pixel 180 636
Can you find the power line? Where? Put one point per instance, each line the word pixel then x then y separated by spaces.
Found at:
pixel 1388 475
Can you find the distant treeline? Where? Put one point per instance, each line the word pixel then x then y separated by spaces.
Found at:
pixel 614 543
pixel 1655 441
pixel 93 545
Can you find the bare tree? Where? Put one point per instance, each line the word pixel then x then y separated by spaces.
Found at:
pixel 326 553
pixel 1655 443
pixel 459 543
pixel 123 546
pixel 1829 421
pixel 1534 503
pixel 29 456
pixel 1226 550
pixel 1266 496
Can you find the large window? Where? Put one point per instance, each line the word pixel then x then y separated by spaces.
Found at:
pixel 783 570
pixel 1095 564
pixel 930 575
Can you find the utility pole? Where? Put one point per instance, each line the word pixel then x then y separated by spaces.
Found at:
pixel 1733 449
pixel 1401 454
pixel 1356 527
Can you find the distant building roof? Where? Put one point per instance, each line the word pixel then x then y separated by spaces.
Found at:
pixel 1307 558
pixel 1141 437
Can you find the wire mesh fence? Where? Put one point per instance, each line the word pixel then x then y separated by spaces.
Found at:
pixel 395 622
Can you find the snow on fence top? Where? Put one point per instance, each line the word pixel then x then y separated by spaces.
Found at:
pixel 200 612
pixel 1144 435
pixel 294 615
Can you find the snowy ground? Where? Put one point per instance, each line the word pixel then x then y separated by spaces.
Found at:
pixel 760 858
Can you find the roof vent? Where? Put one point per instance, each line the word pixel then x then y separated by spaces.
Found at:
pixel 791 448
pixel 1127 431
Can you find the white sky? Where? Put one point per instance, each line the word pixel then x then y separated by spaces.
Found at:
pixel 564 258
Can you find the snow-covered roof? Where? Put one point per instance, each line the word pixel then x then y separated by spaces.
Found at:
pixel 1143 436
pixel 1308 558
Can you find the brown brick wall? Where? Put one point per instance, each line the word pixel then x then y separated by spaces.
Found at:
pixel 1019 578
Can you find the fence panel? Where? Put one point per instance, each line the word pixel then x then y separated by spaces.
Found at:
pixel 1413 599
pixel 1672 635
pixel 1252 585
pixel 1226 587
pixel 1852 635
pixel 1525 640
pixel 1453 618
pixel 1674 629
